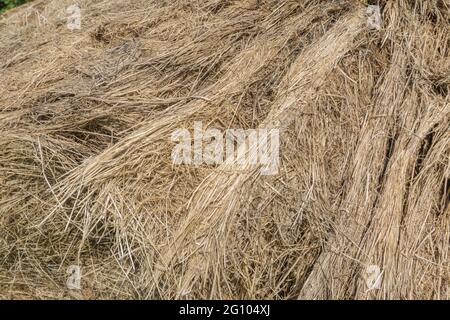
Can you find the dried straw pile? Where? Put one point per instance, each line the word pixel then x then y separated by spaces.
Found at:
pixel 86 176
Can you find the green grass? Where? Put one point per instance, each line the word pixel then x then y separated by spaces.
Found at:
pixel 9 4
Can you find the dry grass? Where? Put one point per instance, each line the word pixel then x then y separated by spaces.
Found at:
pixel 86 176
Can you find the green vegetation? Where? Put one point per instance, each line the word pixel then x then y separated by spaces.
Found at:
pixel 9 4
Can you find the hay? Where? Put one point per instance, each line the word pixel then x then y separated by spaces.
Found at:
pixel 87 178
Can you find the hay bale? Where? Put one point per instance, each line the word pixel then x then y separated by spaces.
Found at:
pixel 87 178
